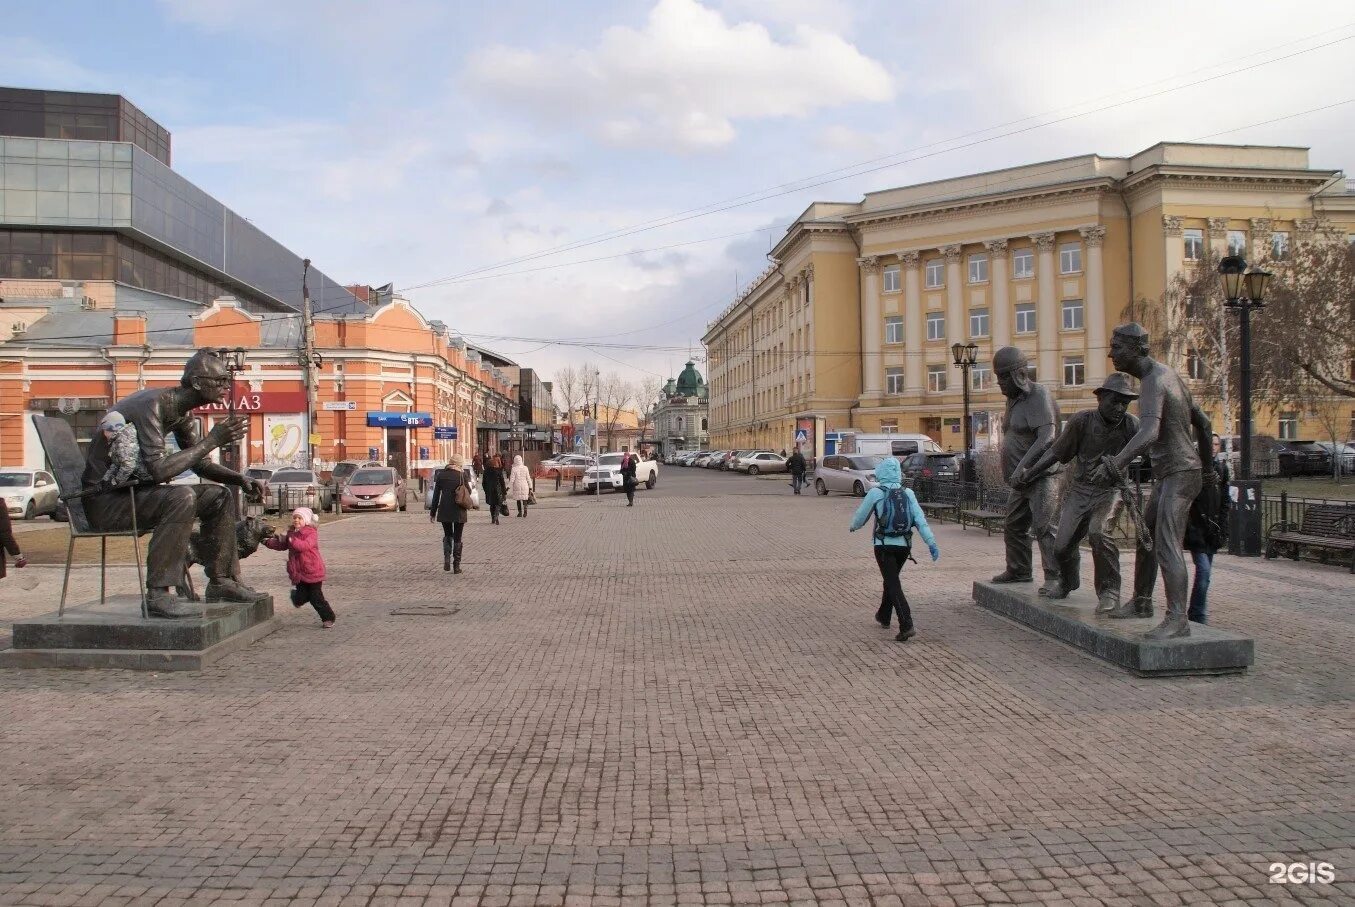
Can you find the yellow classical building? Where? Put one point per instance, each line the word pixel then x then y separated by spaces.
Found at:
pixel 851 327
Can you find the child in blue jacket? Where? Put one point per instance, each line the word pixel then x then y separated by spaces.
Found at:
pixel 892 551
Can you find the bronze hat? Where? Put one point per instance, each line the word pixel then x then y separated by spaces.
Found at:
pixel 1118 383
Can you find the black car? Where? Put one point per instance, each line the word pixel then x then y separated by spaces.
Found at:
pixel 931 466
pixel 1301 458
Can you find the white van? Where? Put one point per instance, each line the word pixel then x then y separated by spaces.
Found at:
pixel 894 445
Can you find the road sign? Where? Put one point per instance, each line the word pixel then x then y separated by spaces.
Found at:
pixel 340 405
pixel 444 432
pixel 423 453
pixel 801 435
pixel 372 453
pixel 590 426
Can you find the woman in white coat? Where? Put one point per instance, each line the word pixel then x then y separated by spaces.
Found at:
pixel 520 484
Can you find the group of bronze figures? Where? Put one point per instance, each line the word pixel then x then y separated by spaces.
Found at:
pixel 1100 444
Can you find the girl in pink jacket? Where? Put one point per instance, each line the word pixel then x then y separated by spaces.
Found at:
pixel 305 567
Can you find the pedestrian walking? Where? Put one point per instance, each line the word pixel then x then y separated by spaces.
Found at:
pixel 495 487
pixel 451 506
pixel 897 514
pixel 1206 533
pixel 305 566
pixel 520 485
pixel 797 467
pixel 628 464
pixel 8 543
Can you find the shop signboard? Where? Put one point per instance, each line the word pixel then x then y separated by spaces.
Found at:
pixel 247 401
pixel 399 420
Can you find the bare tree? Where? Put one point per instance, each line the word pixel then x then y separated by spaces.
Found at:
pixel 568 391
pixel 614 396
pixel 1332 413
pixel 647 391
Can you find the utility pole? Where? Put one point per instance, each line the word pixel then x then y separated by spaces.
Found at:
pixel 308 359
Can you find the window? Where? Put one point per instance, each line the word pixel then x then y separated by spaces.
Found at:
pixel 1023 263
pixel 1070 258
pixel 1195 306
pixel 1279 246
pixel 978 268
pixel 980 377
pixel 936 273
pixel 936 326
pixel 1289 426
pixel 1025 318
pixel 889 426
pixel 1030 368
pixel 1194 242
pixel 1072 314
pixel 1195 364
pixel 1073 374
pixel 891 281
pixel 893 381
pixel 894 329
pixel 936 378
pixel 1237 242
pixel 978 322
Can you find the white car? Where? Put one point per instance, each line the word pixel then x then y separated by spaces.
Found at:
pixel 607 473
pixel 29 493
pixel 761 461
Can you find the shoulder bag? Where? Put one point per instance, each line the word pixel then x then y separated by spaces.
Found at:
pixel 463 495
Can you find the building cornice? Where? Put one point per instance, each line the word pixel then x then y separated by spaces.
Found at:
pixel 963 206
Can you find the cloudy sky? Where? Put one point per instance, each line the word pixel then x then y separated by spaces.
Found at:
pixel 607 172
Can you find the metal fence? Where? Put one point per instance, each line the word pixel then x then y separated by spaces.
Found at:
pixel 1283 508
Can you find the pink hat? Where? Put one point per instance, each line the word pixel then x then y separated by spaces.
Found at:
pixel 307 515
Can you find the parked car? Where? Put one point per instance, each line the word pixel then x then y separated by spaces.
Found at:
pixel 292 488
pixel 703 459
pixel 847 473
pixel 29 493
pixel 343 470
pixel 897 445
pixel 263 473
pixel 1344 454
pixel 931 466
pixel 762 461
pixel 607 473
pixel 373 488
pixel 566 466
pixel 1302 458
pixel 732 457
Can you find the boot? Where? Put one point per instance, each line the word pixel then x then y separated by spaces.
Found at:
pixel 1007 576
pixel 1135 607
pixel 1174 626
pixel 446 553
pixel 162 603
pixel 1054 589
pixel 456 558
pixel 906 634
pixel 229 590
pixel 1107 601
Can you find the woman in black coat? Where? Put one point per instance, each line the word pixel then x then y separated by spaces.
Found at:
pixel 444 509
pixel 7 542
pixel 495 486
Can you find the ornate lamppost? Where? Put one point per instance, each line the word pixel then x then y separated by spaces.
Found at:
pixel 965 356
pixel 1244 291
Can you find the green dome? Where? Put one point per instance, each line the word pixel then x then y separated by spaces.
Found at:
pixel 690 383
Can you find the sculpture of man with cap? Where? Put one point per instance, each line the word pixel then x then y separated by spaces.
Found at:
pixel 1166 416
pixel 1031 423
pixel 170 510
pixel 1088 507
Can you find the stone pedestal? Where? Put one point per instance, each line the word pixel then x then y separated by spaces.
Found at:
pixel 115 635
pixel 1207 650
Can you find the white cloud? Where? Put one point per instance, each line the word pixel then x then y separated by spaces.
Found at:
pixel 684 79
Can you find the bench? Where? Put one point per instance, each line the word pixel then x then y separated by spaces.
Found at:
pixel 991 513
pixel 1325 527
pixel 942 499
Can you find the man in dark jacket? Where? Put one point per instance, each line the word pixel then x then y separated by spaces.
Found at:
pixel 796 466
pixel 628 464
pixel 1206 533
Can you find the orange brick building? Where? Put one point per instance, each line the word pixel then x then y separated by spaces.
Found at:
pixel 386 378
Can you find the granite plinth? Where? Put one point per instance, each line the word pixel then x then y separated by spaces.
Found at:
pixel 1207 650
pixel 115 635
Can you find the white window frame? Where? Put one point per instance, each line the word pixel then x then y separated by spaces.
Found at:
pixel 980 377
pixel 978 267
pixel 1195 364
pixel 893 329
pixel 889 426
pixel 1022 309
pixel 936 379
pixel 894 380
pixel 1070 258
pixel 1078 310
pixel 1279 245
pixel 1075 368
pixel 935 273
pixel 1020 256
pixel 980 323
pixel 936 320
pixel 1192 244
pixel 1288 425
pixel 890 281
pixel 1237 243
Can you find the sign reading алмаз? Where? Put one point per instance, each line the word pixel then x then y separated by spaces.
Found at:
pixel 261 402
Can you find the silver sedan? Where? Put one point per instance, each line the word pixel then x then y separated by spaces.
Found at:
pixel 849 474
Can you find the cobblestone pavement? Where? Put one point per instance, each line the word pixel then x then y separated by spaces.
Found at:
pixel 686 702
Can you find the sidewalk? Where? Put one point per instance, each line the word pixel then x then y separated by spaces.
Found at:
pixel 682 702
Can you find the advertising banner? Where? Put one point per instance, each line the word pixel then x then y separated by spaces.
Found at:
pixel 284 440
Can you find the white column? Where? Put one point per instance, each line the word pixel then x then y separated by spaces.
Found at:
pixel 955 327
pixel 1046 312
pixel 1094 307
pixel 1175 245
pixel 872 324
pixel 999 309
pixel 914 331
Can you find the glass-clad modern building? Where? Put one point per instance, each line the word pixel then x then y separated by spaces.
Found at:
pixel 74 209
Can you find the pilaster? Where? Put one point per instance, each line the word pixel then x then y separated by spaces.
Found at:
pixel 1000 310
pixel 1046 313
pixel 1098 341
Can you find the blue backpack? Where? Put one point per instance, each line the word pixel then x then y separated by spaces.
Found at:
pixel 893 517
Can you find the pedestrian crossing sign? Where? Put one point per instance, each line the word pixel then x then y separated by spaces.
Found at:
pixel 801 435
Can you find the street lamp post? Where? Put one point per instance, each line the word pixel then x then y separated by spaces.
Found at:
pixel 1244 291
pixel 965 356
